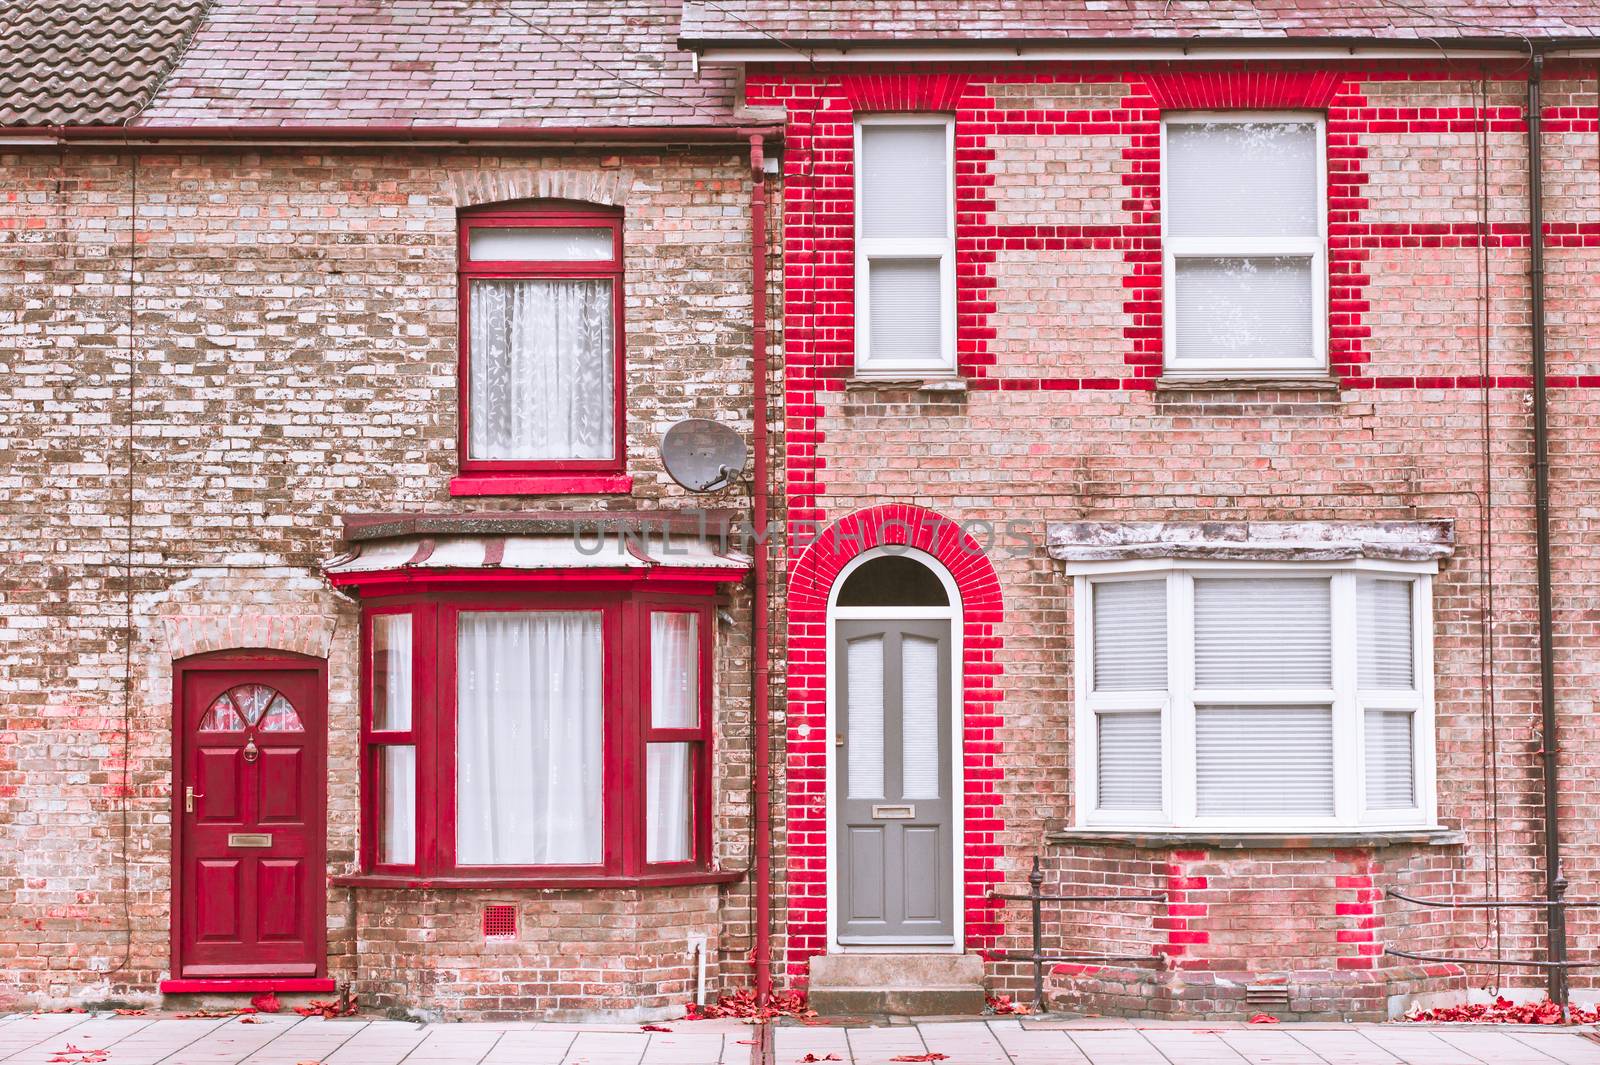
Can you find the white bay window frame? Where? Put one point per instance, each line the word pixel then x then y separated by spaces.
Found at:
pixel 1179 805
pixel 1175 363
pixel 870 249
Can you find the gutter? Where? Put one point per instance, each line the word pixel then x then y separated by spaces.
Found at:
pixel 443 135
pixel 1555 879
pixel 759 651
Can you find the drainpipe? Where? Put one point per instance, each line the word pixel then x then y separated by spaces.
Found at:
pixel 1555 880
pixel 759 669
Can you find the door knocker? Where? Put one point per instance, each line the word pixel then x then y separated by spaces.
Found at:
pixel 250 751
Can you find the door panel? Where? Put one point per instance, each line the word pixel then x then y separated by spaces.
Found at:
pixel 895 810
pixel 250 897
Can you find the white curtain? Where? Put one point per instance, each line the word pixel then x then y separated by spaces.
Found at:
pixel 529 726
pixel 674 670
pixel 543 368
pixel 391 651
pixel 397 839
pixel 667 823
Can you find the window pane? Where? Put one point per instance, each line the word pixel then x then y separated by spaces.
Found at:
pixel 1264 761
pixel 1389 760
pixel 864 690
pixel 543 363
pixel 541 244
pixel 1129 775
pixel 1244 309
pixel 391 672
pixel 904 181
pixel 919 723
pixel 1238 179
pixel 529 723
pixel 905 309
pixel 668 816
pixel 1130 635
pixel 674 670
pixel 1383 634
pixel 397 808
pixel 1262 633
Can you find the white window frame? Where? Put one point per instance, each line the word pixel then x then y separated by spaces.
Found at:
pixel 942 248
pixel 1173 249
pixel 1178 809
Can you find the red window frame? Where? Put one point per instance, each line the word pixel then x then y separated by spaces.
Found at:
pixel 627 731
pixel 564 217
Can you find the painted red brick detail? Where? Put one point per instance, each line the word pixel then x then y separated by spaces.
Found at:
pixel 810 583
pixel 1256 86
pixel 903 92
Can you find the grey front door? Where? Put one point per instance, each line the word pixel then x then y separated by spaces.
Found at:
pixel 895 827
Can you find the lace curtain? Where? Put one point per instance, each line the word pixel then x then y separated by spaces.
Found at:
pixel 529 725
pixel 543 367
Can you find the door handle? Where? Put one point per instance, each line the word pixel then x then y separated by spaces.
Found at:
pixel 189 797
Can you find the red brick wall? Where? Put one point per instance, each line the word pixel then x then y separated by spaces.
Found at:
pixel 1059 346
pixel 294 335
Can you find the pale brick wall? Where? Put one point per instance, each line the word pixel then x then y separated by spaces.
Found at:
pixel 295 359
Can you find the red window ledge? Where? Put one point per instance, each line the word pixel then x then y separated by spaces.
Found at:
pixel 540 484
pixel 468 883
pixel 250 985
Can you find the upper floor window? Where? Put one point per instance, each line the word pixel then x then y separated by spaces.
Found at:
pixel 905 246
pixel 1244 218
pixel 541 311
pixel 1274 697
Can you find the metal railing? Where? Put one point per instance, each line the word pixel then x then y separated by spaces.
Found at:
pixel 1036 898
pixel 1556 909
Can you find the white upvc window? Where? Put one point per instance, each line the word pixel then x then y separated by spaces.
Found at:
pixel 1244 237
pixel 1264 697
pixel 905 246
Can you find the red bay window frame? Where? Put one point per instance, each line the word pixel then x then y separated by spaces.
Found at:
pixel 700 766
pixel 625 628
pixel 566 216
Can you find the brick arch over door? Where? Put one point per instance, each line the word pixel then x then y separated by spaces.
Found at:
pixel 810 582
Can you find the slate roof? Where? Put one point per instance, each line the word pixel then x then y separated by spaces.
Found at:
pixel 444 62
pixel 771 23
pixel 87 61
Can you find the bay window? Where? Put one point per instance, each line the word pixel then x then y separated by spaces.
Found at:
pixel 537 737
pixel 1244 243
pixel 1274 697
pixel 541 340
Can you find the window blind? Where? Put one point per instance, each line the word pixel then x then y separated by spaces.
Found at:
pixel 1383 634
pixel 1129 748
pixel 904 181
pixel 1236 179
pixel 905 304
pixel 1244 308
pixel 1263 633
pixel 1253 761
pixel 1130 635
pixel 1390 764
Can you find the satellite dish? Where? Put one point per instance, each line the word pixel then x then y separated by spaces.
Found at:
pixel 703 455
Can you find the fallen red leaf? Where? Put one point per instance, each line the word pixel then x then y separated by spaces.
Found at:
pixel 826 1057
pixel 1504 1011
pixel 1263 1018
pixel 266 1002
pixel 922 1057
pixel 130 1013
pixel 328 1008
pixel 249 1020
pixel 743 1005
pixel 1003 1004
pixel 653 1028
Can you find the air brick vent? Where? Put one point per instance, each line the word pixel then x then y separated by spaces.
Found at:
pixel 1267 996
pixel 500 921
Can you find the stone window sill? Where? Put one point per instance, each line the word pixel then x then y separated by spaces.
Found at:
pixel 1155 840
pixel 540 484
pixel 917 383
pixel 1223 383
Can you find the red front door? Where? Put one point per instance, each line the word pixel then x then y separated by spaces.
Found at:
pixel 249 791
